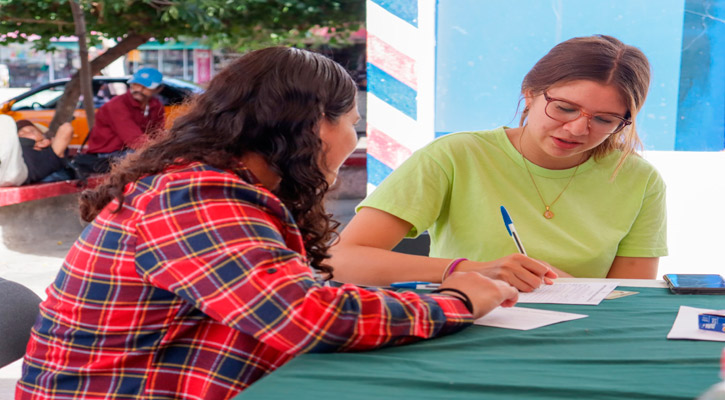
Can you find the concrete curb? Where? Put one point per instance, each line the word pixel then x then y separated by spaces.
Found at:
pixel 41 227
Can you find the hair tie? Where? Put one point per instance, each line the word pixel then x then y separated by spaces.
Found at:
pixel 464 297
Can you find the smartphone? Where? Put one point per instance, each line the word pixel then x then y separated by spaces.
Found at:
pixel 695 283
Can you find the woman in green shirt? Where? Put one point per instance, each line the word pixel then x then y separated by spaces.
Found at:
pixel 584 203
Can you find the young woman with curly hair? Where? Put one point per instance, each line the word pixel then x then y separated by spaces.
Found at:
pixel 193 279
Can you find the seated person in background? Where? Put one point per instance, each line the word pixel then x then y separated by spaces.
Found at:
pixel 13 170
pixel 197 275
pixel 44 158
pixel 124 122
pixel 584 203
pixel 102 96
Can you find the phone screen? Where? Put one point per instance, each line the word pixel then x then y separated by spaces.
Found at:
pixel 695 283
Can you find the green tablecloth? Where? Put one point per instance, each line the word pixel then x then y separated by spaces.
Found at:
pixel 619 352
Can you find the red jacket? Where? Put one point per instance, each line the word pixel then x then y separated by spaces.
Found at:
pixel 121 124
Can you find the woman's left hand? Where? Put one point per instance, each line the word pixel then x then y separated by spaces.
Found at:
pixel 41 144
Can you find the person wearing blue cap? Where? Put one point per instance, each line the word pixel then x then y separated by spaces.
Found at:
pixel 125 122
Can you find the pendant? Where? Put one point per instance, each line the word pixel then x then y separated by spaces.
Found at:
pixel 548 214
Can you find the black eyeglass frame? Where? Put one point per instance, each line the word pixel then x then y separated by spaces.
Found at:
pixel 623 124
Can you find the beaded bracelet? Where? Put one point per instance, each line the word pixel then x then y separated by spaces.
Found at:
pixel 464 297
pixel 451 267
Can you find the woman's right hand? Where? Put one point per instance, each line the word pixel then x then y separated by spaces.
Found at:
pixel 363 256
pixel 485 293
pixel 522 272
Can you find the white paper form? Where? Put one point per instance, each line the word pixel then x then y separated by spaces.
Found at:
pixel 524 319
pixel 685 326
pixel 584 293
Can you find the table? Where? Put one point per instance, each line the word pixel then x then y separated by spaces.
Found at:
pixel 619 352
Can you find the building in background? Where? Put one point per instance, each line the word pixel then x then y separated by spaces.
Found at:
pixel 188 61
pixel 29 68
pixel 26 67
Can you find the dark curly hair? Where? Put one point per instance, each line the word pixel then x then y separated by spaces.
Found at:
pixel 269 102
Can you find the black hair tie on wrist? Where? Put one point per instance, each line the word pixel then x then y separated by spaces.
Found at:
pixel 464 297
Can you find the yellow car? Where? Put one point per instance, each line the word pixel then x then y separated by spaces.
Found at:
pixel 38 105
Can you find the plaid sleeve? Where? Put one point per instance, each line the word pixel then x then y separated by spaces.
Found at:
pixel 213 247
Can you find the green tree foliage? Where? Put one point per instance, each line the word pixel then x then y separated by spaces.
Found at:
pixel 243 24
pixel 250 23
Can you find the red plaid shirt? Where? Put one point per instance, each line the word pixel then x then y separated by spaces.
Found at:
pixel 197 288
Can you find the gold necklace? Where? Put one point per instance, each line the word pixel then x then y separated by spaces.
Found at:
pixel 548 214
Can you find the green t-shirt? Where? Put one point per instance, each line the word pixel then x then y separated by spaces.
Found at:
pixel 454 188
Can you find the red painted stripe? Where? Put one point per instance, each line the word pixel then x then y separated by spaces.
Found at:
pixel 385 148
pixel 390 60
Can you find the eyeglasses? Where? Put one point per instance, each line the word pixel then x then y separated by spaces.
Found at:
pixel 600 123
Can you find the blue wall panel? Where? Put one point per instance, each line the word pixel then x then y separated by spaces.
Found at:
pixel 701 112
pixel 484 49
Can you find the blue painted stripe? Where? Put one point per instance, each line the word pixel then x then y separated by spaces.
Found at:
pixel 377 171
pixel 392 91
pixel 407 10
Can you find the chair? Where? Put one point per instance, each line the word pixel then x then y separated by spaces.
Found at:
pixel 419 246
pixel 18 311
pixel 416 246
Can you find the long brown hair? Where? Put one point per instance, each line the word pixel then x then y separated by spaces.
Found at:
pixel 602 59
pixel 268 102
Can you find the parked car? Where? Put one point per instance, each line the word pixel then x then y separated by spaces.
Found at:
pixel 38 105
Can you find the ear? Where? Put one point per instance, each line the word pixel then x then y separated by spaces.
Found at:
pixel 528 98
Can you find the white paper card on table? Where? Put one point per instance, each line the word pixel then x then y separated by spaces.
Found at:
pixel 585 293
pixel 524 319
pixel 685 326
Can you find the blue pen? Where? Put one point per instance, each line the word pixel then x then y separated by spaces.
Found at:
pixel 512 230
pixel 414 285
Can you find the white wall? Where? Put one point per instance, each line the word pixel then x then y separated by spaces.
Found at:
pixel 695 210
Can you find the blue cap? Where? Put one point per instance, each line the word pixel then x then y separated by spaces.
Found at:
pixel 148 77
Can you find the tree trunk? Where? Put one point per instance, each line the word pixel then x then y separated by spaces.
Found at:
pixel 67 103
pixel 85 76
